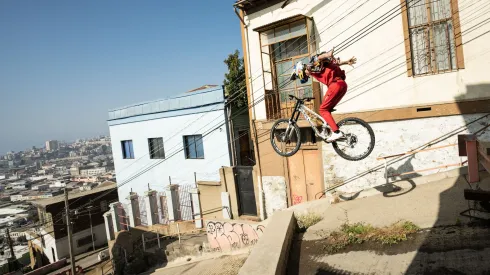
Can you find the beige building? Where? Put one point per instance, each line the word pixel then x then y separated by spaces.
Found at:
pixel 421 79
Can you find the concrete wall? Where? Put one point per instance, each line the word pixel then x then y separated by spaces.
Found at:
pixel 228 181
pixel 399 137
pixel 380 51
pixel 229 235
pixel 180 169
pixel 62 244
pixel 275 194
pixel 210 198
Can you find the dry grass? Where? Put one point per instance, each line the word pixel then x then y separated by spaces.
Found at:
pixel 359 233
pixel 306 220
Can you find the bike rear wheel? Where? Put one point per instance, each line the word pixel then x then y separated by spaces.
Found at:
pixel 358 142
pixel 285 137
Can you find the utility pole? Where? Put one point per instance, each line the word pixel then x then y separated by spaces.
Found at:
pixel 69 227
pixel 91 229
pixel 12 260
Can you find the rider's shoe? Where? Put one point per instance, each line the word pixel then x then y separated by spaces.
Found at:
pixel 324 134
pixel 334 136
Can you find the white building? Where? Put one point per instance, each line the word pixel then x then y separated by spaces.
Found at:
pixel 58 184
pixel 169 140
pixel 52 145
pixel 20 185
pixel 92 171
pixel 421 78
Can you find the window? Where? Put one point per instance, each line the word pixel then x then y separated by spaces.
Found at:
pixel 155 146
pixel 282 46
pixel 127 149
pixel 193 147
pixel 432 44
pixel 85 240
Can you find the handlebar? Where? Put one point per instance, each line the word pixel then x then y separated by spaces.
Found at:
pixel 307 99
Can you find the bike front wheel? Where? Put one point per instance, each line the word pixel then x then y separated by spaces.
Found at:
pixel 358 141
pixel 285 137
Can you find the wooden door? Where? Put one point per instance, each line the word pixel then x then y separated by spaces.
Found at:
pixel 305 176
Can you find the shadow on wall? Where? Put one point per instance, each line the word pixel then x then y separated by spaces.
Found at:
pixel 475 122
pixel 466 249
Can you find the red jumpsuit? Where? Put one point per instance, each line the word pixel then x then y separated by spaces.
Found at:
pixel 333 77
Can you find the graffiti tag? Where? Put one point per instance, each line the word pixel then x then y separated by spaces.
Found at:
pixel 297 199
pixel 224 236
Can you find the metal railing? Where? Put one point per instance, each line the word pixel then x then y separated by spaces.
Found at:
pixel 278 105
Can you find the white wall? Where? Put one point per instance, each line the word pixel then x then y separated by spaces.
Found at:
pixel 49 242
pixel 380 51
pixel 400 137
pixel 62 248
pixel 180 169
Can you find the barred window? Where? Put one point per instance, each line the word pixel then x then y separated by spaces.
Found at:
pixel 432 25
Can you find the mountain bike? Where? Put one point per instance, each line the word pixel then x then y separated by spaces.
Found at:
pixel 287 132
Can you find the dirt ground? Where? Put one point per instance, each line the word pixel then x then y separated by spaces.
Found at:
pixel 441 250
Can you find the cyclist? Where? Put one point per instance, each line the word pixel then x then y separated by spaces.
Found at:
pixel 326 69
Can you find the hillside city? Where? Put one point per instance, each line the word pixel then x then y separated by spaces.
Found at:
pixel 40 173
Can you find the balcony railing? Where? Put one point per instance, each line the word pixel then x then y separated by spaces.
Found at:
pixel 278 105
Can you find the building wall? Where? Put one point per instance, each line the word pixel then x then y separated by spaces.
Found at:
pixel 62 244
pixel 400 137
pixel 93 171
pixel 378 82
pixel 49 245
pixel 176 166
pixel 380 77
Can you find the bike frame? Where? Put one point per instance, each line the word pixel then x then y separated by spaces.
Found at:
pixel 299 107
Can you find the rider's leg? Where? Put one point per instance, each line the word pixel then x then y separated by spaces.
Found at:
pixel 335 93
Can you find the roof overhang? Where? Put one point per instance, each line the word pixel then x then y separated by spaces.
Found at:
pixel 280 22
pixel 251 6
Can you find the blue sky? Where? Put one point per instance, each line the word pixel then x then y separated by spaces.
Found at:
pixel 63 64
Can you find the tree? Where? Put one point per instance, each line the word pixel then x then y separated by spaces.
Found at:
pixel 235 81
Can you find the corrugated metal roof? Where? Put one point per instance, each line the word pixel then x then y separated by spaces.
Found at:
pixel 196 99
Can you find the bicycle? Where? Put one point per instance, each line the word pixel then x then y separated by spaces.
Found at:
pixel 292 132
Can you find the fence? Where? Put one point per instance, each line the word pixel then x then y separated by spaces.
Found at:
pixel 185 209
pixel 162 208
pixel 122 216
pixel 278 105
pixel 143 217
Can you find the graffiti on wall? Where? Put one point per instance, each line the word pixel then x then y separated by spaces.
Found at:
pixel 297 199
pixel 225 236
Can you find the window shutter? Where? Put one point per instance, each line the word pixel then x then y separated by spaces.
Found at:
pixel 406 35
pixel 457 34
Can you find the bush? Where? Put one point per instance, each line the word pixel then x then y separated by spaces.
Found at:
pixel 305 221
pixel 358 233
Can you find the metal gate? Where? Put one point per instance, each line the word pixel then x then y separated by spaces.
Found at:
pixel 162 208
pixel 185 210
pixel 245 190
pixel 142 207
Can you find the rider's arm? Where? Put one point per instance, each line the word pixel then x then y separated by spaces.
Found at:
pixel 350 62
pixel 324 56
